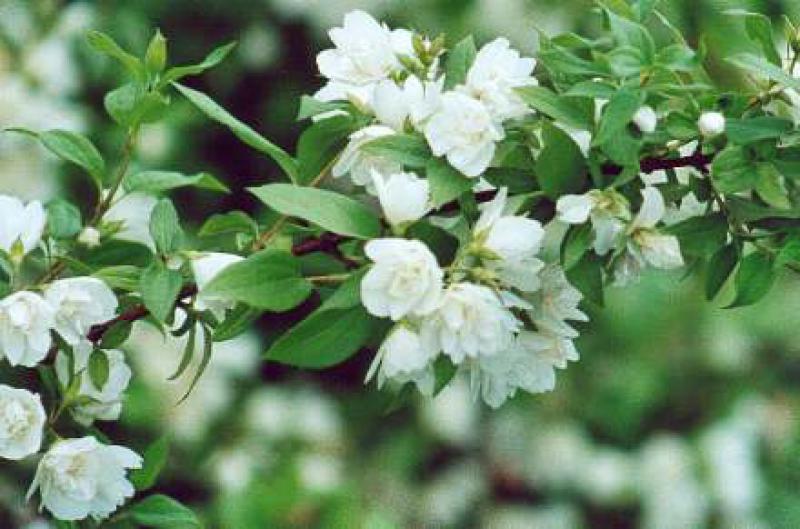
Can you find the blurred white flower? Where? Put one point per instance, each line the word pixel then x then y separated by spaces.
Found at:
pixel 22 419
pixel 405 279
pixel 412 103
pixel 672 497
pixel 514 240
pixel 556 456
pixel 320 473
pixel 608 476
pixel 463 130
pixel 403 358
pixel 25 323
pixel 21 225
pixel 89 237
pixel 205 268
pixel 80 303
pixel 453 493
pixel 495 74
pixel 132 214
pixel 452 416
pixel 404 197
pixel 471 321
pixel 365 53
pixel 361 165
pixel 559 516
pixel 646 119
pixel 607 210
pixel 106 401
pixel 78 478
pixel 711 124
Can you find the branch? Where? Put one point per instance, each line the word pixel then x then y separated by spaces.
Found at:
pixel 134 313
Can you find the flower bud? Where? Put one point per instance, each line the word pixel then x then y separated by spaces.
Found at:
pixel 89 237
pixel 711 124
pixel 645 119
pixel 404 197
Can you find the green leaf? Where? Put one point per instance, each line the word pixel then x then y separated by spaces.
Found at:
pixel 446 182
pixel 63 219
pixel 587 276
pixel 155 182
pixel 75 148
pixel 759 29
pixel 630 33
pixel 231 222
pixel 702 235
pixel 116 335
pixel 560 167
pixel 331 334
pixel 459 61
pixel 319 144
pixel 98 368
pixel 760 67
pixel 242 131
pixel 119 277
pixel 329 210
pixel 214 58
pixel 733 171
pixel 720 267
pixel 155 459
pixel 268 280
pixel 576 243
pixel 208 346
pixel 165 227
pixel 188 350
pixel 753 280
pixel 311 106
pixel 162 512
pixel 236 322
pixel 789 253
pixel 130 105
pixel 105 44
pixel 160 287
pixel 744 210
pixel 577 112
pixel 617 115
pixel 771 187
pixel 409 149
pixel 744 131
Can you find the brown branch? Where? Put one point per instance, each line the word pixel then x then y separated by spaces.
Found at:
pixel 134 313
pixel 326 243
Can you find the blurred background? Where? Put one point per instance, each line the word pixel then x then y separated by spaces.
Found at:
pixel 680 415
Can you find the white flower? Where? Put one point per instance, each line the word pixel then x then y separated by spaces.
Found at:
pixel 79 478
pixel 366 52
pixel 21 225
pixel 413 103
pixel 556 302
pixel 89 237
pixel 556 350
pixel 499 376
pixel 106 401
pixel 404 197
pixel 25 323
pixel 660 250
pixel 711 124
pixel 22 419
pixel 515 240
pixel 608 211
pixel 360 165
pixel 132 214
pixel 403 358
pixel 492 79
pixel 471 321
pixel 205 268
pixel 80 303
pixel 646 119
pixel 406 279
pixel 463 131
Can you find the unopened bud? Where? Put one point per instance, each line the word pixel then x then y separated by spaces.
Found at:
pixel 89 237
pixel 646 119
pixel 711 124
